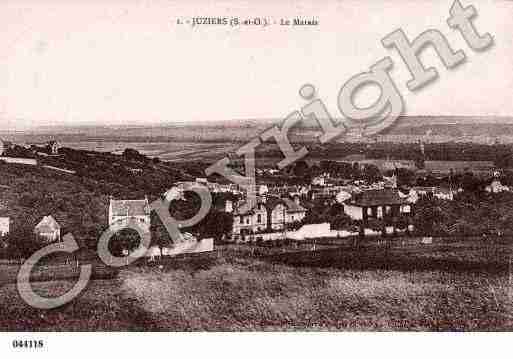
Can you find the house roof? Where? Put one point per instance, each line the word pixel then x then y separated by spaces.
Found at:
pixel 68 237
pixel 238 211
pixel 377 198
pixel 5 222
pixel 48 223
pixel 293 206
pixel 137 207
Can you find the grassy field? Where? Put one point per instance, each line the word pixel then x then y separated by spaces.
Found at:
pixel 167 151
pixel 457 286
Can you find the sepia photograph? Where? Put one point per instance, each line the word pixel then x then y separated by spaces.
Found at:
pixel 289 169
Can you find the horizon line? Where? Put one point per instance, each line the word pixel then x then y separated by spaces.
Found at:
pixel 233 120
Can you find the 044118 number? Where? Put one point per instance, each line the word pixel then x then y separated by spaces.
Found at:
pixel 28 344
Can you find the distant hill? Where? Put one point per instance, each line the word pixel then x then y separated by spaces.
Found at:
pixel 80 201
pixel 457 130
pixel 407 128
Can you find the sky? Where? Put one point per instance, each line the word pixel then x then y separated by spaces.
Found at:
pixel 123 62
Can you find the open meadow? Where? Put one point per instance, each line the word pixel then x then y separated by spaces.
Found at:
pixel 448 286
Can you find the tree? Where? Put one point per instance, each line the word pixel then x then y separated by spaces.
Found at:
pixel 377 225
pixel 27 200
pixel 405 177
pixel 159 234
pixel 133 155
pixel 371 173
pixel 294 226
pixel 340 221
pixel 336 217
pixel 22 243
pixel 300 168
pixel 356 173
pixel 216 224
pixel 313 216
pixel 470 183
pixel 428 216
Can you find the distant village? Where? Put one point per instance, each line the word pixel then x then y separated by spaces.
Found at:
pixel 286 211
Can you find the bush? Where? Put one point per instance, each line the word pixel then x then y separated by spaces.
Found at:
pixel 21 243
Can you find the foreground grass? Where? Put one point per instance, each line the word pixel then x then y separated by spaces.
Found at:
pixel 445 289
pixel 259 296
pixel 101 307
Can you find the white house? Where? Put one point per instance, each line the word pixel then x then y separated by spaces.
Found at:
pixel 270 213
pixel 250 221
pixel 319 181
pixel 121 211
pixel 496 187
pixel 48 229
pixel 376 204
pixel 4 226
pixel 342 196
pixel 294 212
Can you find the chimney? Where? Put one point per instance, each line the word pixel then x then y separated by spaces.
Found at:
pixel 228 207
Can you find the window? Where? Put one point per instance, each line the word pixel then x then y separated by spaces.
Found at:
pixel 241 220
pixel 259 218
pixel 247 220
pixel 292 217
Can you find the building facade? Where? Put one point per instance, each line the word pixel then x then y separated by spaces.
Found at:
pixel 49 230
pixel 121 211
pixel 269 214
pixel 377 204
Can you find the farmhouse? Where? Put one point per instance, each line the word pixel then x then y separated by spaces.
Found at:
pixel 49 230
pixel 120 211
pixel 377 204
